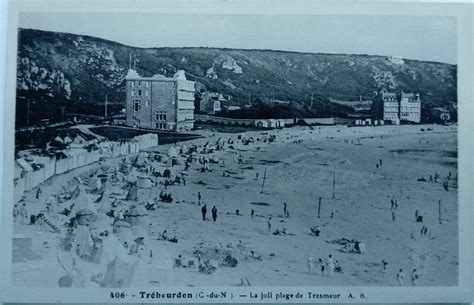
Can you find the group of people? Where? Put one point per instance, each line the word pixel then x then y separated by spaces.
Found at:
pixel 213 212
pixel 20 213
pixel 414 277
pixel 327 267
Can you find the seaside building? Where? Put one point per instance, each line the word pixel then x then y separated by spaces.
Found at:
pixel 159 102
pixel 390 107
pixel 410 107
pixel 441 114
pixel 211 102
pixel 405 107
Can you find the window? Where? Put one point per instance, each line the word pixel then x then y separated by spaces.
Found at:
pixel 132 84
pixel 147 84
pixel 160 125
pixel 133 93
pixel 137 105
pixel 147 102
pixel 147 93
pixel 139 92
pixel 160 115
pixel 137 120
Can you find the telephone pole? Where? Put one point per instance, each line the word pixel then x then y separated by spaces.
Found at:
pixel 106 105
pixel 28 113
pixel 62 113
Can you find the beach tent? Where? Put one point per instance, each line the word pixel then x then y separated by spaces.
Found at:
pixel 104 201
pixel 122 230
pixel 83 240
pixel 22 251
pixel 272 123
pixel 140 160
pixel 132 193
pixel 111 248
pixel 107 168
pixel 104 186
pixel 94 183
pixel 161 259
pixel 136 216
pixel 82 201
pixel 261 123
pixel 85 216
pixel 172 152
pixel 119 273
pixel 144 182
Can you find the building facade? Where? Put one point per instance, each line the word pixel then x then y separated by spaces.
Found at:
pixel 390 107
pixel 410 107
pixel 159 102
pixel 210 103
pixel 405 107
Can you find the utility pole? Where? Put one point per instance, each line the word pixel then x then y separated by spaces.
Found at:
pixel 28 113
pixel 62 113
pixel 333 184
pixel 263 182
pixel 106 105
pixel 439 211
pixel 312 100
pixel 319 207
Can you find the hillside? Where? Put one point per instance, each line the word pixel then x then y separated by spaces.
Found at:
pixel 73 71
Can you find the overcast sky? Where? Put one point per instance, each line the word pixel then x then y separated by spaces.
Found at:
pixel 422 38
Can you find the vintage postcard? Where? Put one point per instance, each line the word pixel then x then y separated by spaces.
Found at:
pixel 237 152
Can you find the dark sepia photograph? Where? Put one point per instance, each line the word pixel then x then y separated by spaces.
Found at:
pixel 235 150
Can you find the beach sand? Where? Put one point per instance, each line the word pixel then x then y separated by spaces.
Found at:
pixel 300 167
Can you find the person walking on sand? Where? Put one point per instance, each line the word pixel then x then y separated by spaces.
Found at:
pixel 16 213
pixel 330 264
pixel 394 216
pixel 214 213
pixel 204 211
pixel 400 277
pixel 252 213
pixel 384 265
pixel 256 176
pixel 38 192
pixel 23 214
pixel 284 208
pixel 199 198
pixel 414 277
pixel 320 261
pixel 310 263
pixel 269 224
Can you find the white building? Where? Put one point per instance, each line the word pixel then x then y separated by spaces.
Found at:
pixel 410 107
pixel 390 106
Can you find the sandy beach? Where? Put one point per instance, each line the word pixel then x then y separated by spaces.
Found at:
pixel 370 166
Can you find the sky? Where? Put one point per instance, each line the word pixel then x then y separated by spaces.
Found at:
pixel 430 38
